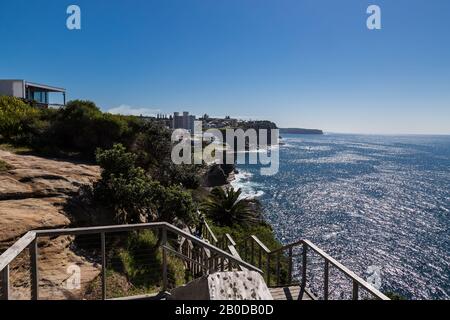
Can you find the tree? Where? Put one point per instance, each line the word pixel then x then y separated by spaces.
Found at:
pixel 16 118
pixel 82 127
pixel 153 147
pixel 225 207
pixel 134 196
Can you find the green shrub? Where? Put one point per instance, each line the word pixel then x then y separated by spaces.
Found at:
pixel 16 118
pixel 125 188
pixel 134 196
pixel 83 127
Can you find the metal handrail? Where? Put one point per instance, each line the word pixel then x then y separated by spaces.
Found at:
pixel 276 255
pixel 261 249
pixel 229 239
pixel 210 236
pixel 12 252
pixel 133 227
pixel 357 281
pixel 291 245
pixel 30 240
pixel 260 243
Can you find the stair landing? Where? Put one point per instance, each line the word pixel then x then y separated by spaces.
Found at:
pixel 289 293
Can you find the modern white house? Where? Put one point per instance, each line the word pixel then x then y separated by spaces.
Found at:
pixel 33 92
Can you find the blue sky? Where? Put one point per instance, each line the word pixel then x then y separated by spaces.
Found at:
pixel 300 63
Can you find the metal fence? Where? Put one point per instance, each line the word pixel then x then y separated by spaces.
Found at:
pixel 108 262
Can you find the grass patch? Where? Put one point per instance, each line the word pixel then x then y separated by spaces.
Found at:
pixel 16 148
pixel 135 268
pixel 4 166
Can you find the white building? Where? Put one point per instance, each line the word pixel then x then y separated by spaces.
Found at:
pixel 186 121
pixel 33 92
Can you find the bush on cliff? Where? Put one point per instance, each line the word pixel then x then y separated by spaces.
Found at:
pixel 153 147
pixel 134 196
pixel 82 126
pixel 17 119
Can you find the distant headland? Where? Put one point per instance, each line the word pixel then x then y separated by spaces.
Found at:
pixel 300 131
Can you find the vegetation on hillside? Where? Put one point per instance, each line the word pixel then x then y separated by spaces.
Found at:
pixel 134 196
pixel 227 208
pixel 139 182
pixel 134 268
pixel 17 119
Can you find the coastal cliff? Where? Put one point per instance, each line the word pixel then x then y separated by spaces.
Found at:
pixel 34 193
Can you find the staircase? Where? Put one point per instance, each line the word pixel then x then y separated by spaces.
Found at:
pixel 289 272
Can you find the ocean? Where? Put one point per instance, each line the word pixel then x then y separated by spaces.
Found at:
pixel 371 202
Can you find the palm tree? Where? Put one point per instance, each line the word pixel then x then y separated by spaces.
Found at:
pixel 225 207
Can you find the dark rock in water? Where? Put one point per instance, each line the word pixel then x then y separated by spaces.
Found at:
pixel 228 168
pixel 219 175
pixel 216 176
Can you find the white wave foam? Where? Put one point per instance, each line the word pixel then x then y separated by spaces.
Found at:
pixel 242 181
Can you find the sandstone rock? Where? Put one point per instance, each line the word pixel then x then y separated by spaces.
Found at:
pixel 33 195
pixel 20 216
pixel 33 177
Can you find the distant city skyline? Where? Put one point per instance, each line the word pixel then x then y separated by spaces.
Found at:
pixel 298 63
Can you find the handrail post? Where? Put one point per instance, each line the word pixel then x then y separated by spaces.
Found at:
pixel 252 259
pixel 304 263
pixel 325 280
pixel 260 258
pixel 164 256
pixel 245 250
pixel 5 284
pixel 34 269
pixel 103 248
pixel 268 270
pixel 278 267
pixel 290 266
pixel 355 289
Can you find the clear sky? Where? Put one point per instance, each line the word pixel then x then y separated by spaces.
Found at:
pixel 300 63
